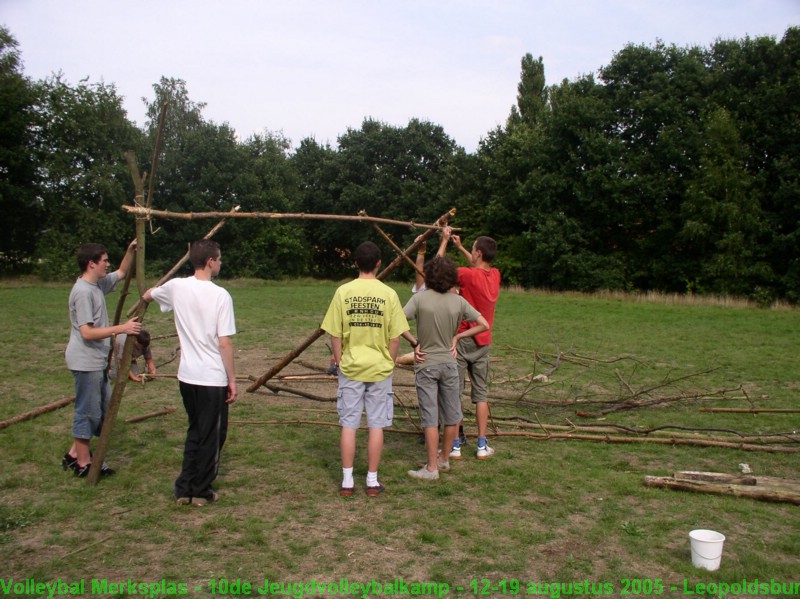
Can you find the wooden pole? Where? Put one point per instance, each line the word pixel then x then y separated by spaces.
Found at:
pixel 440 222
pixel 113 408
pixel 122 372
pixel 752 410
pixel 660 441
pixel 148 213
pixel 141 307
pixel 143 417
pixel 277 388
pixel 37 412
pixel 395 247
pixel 124 366
pixel 775 492
pixel 286 360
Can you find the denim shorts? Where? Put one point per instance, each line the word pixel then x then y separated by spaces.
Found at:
pixel 438 395
pixel 355 397
pixel 92 396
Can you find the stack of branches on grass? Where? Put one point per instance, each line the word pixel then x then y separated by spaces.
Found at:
pixel 519 426
pixel 617 394
pixel 788 442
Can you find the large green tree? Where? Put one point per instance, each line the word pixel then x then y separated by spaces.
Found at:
pixel 659 97
pixel 579 206
pixel 268 249
pixel 204 167
pixel 757 81
pixel 21 209
pixel 391 172
pixel 506 161
pixel 722 220
pixel 81 134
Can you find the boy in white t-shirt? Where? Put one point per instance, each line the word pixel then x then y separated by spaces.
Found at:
pixel 207 374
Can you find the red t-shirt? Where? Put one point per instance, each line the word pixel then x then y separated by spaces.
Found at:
pixel 480 288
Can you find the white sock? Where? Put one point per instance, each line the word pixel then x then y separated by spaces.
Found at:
pixel 347 477
pixel 372 479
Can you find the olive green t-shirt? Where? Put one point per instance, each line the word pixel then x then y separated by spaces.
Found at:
pixel 438 317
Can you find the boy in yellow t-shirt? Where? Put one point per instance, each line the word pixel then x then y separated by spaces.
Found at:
pixel 365 321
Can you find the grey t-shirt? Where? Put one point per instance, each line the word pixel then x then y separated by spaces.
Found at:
pixel 87 305
pixel 438 316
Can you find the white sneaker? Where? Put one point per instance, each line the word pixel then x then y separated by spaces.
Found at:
pixel 442 466
pixel 455 453
pixel 424 474
pixel 484 452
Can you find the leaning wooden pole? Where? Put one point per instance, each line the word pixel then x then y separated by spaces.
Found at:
pixel 162 121
pixel 440 222
pixel 37 412
pixel 288 358
pixel 138 199
pixel 124 364
pixel 395 247
pixel 141 307
pixel 751 410
pixel 143 417
pixel 113 408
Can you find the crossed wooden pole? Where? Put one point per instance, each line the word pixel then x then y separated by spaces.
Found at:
pixel 288 358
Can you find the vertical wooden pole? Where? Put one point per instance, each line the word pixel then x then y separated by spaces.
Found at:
pixel 125 360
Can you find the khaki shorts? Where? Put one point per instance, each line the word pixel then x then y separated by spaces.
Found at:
pixel 356 397
pixel 438 395
pixel 473 360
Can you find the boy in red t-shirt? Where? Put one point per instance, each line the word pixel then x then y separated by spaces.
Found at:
pixel 480 286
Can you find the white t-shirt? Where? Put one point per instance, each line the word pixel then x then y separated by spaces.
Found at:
pixel 203 313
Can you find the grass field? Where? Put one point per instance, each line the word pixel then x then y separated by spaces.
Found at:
pixel 541 511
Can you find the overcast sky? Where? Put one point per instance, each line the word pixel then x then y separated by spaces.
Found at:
pixel 314 68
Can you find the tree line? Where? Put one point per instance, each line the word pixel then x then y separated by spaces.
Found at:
pixel 675 169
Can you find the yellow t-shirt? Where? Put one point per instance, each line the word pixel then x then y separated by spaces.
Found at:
pixel 365 314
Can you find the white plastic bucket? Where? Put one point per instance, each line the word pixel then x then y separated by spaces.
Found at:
pixel 706 548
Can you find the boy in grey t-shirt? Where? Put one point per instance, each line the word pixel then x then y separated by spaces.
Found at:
pixel 88 349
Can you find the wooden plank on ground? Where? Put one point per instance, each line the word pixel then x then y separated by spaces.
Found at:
pixel 715 477
pixel 766 488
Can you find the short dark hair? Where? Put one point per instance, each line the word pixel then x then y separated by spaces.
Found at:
pixel 440 274
pixel 89 252
pixel 143 338
pixel 487 246
pixel 200 251
pixel 367 256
